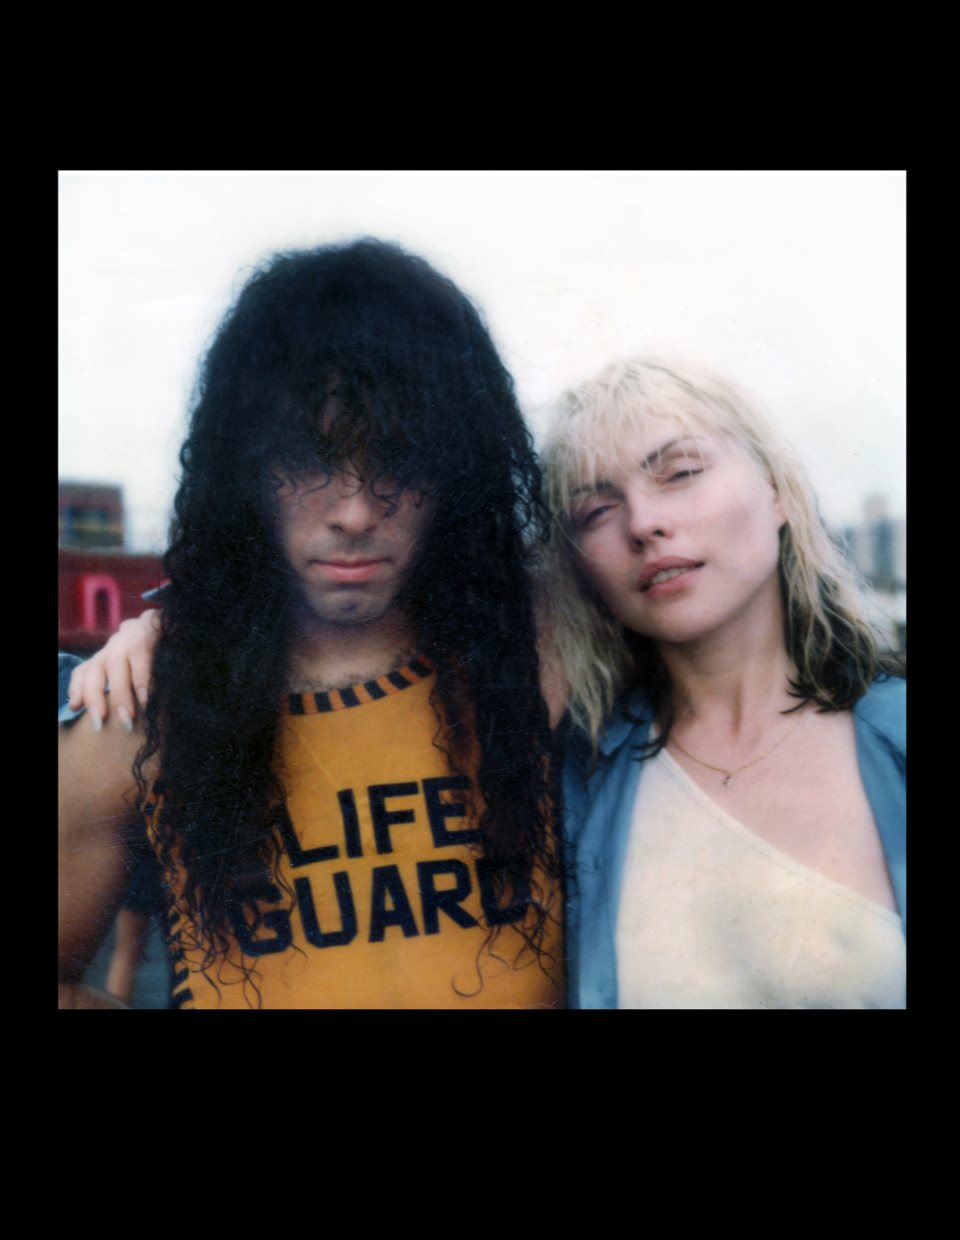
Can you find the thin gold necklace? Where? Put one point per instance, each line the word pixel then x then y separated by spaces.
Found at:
pixel 737 769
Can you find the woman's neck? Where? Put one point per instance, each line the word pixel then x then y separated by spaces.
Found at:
pixel 725 685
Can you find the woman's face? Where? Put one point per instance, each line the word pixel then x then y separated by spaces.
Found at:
pixel 680 538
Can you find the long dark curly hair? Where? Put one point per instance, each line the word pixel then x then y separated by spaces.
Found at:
pixel 424 400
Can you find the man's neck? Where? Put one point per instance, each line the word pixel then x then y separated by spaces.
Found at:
pixel 332 656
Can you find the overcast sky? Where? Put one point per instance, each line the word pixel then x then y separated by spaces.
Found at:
pixel 792 283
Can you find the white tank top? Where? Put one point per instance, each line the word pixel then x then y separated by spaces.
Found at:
pixel 713 916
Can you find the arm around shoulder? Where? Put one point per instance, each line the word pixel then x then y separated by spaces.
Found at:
pixel 125 665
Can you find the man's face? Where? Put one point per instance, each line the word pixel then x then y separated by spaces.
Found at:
pixel 351 550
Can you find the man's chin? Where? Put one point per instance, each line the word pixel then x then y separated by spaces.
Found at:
pixel 347 610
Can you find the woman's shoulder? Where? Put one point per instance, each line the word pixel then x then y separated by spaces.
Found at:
pixel 883 711
pixel 627 726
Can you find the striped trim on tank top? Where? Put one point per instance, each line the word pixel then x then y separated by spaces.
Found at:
pixel 419 668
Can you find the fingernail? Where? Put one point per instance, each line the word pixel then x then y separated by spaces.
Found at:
pixel 125 721
pixel 142 696
pixel 96 721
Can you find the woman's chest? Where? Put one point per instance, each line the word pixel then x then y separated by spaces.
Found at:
pixel 808 800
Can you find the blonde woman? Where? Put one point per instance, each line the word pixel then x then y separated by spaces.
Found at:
pixel 735 775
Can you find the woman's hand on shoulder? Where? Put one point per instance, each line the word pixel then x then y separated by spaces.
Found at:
pixel 124 666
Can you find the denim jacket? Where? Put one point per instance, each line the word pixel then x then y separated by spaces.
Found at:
pixel 599 805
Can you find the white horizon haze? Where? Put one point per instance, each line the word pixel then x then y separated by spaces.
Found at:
pixel 794 284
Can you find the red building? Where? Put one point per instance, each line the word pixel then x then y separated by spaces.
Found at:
pixel 99 583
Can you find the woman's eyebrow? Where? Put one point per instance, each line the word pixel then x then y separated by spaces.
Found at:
pixel 664 448
pixel 604 484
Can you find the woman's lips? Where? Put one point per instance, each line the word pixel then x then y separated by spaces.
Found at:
pixel 670 580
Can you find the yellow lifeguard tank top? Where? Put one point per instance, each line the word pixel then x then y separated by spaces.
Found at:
pixel 388 908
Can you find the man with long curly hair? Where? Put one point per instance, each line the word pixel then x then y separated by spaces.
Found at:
pixel 344 763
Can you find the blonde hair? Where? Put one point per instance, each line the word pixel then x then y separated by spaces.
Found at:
pixel 834 649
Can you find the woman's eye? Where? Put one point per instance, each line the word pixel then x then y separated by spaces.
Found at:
pixel 586 518
pixel 683 473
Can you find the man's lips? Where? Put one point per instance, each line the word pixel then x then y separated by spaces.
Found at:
pixel 348 570
pixel 666 575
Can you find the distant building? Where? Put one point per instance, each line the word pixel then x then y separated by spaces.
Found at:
pixel 878 548
pixel 91 515
pixel 99 583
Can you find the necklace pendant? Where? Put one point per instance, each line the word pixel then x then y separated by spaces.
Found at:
pixel 726 782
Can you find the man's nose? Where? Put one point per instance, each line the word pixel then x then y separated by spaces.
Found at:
pixel 354 510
